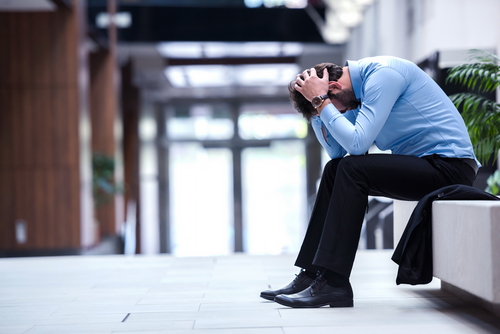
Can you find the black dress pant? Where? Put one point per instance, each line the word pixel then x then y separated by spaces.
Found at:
pixel 334 229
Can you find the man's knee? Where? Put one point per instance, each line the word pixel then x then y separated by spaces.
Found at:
pixel 354 164
pixel 348 162
pixel 332 165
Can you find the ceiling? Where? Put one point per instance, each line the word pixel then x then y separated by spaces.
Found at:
pixel 162 81
pixel 218 49
pixel 210 49
pixel 32 5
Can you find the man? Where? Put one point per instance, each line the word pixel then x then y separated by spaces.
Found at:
pixel 393 104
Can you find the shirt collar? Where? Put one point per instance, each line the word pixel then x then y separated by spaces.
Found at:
pixel 355 74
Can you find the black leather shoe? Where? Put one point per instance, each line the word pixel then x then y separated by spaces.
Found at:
pixel 319 294
pixel 300 283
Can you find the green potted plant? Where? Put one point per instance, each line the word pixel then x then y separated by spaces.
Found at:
pixel 481 114
pixel 104 186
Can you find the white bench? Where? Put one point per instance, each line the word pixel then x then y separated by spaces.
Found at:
pixel 466 247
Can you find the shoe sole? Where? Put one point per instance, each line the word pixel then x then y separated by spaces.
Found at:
pixel 268 297
pixel 343 303
pixel 347 303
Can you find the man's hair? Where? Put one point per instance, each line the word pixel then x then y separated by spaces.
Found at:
pixel 300 103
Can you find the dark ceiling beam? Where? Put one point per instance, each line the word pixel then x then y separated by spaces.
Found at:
pixel 63 4
pixel 235 24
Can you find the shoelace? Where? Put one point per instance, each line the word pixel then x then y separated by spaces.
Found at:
pixel 299 275
pixel 318 283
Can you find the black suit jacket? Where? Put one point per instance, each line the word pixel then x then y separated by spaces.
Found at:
pixel 413 253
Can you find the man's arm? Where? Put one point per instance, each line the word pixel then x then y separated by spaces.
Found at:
pixel 381 93
pixel 331 146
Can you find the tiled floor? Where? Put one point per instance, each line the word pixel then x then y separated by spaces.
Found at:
pixel 163 294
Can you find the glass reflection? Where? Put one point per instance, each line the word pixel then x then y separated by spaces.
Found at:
pixel 274 198
pixel 201 122
pixel 201 200
pixel 259 124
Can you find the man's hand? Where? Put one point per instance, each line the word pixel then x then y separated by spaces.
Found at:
pixel 310 85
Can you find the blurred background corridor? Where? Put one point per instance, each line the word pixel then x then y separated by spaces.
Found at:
pixel 164 126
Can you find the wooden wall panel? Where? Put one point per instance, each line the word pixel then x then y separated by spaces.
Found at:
pixel 6 130
pixel 17 128
pixel 104 92
pixel 58 63
pixel 130 98
pixel 15 66
pixel 62 140
pixel 4 57
pixel 40 71
pixel 40 226
pixel 43 109
pixel 7 203
pixel 103 110
pixel 22 198
pixel 37 134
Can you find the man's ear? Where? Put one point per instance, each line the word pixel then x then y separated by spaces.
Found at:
pixel 334 86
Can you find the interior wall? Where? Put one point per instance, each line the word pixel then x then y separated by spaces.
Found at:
pixel 456 24
pixel 130 106
pixel 106 120
pixel 416 29
pixel 44 132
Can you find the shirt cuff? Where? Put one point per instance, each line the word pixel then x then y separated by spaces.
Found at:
pixel 329 114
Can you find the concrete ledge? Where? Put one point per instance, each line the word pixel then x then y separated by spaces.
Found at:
pixel 402 213
pixel 473 299
pixel 466 247
pixel 466 244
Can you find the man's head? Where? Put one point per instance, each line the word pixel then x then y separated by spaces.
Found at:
pixel 344 99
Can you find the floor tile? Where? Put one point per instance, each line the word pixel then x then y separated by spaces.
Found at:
pixel 215 295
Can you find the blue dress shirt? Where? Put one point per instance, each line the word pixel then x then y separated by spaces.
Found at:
pixel 402 109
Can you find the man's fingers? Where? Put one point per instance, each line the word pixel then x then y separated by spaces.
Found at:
pixel 305 74
pixel 325 74
pixel 306 82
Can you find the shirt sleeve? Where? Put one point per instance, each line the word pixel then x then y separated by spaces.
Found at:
pixel 381 91
pixel 331 146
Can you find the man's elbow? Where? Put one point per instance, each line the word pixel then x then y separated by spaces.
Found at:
pixel 358 145
pixel 358 151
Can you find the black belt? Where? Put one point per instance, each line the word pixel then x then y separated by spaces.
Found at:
pixel 472 163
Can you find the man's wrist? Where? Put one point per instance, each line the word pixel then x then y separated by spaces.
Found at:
pixel 318 100
pixel 323 105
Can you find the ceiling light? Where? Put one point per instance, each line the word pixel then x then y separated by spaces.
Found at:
pixel 180 50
